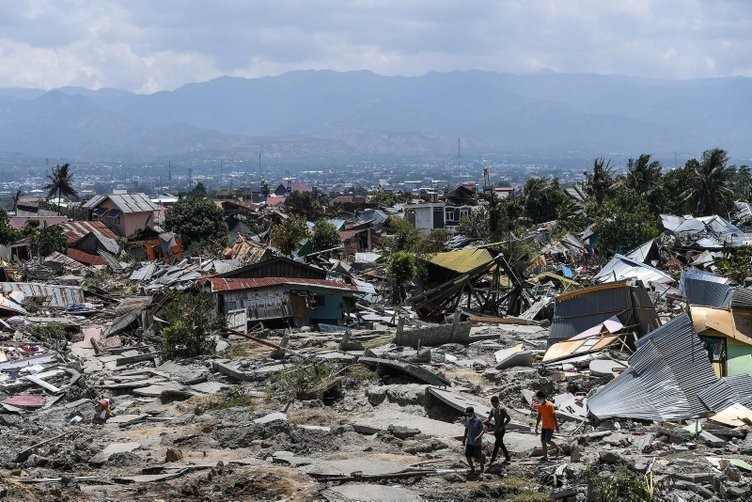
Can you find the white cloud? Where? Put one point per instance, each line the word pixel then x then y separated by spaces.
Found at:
pixel 146 46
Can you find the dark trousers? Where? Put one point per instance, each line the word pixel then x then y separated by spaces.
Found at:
pixel 499 435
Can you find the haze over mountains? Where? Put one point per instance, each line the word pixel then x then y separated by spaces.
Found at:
pixel 329 114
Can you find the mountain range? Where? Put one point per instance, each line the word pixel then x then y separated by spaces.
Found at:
pixel 320 114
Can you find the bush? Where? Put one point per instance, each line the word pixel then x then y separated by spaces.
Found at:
pixel 298 381
pixel 193 320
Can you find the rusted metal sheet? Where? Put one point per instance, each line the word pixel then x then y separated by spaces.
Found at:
pixel 25 401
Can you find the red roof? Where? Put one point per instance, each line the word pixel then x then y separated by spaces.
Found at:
pixel 272 200
pixel 26 401
pixel 79 229
pixel 85 258
pixel 242 204
pixel 221 284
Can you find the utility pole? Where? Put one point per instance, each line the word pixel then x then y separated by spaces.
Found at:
pixel 190 178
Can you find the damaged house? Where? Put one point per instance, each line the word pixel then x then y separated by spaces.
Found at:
pixel 281 292
pixel 125 214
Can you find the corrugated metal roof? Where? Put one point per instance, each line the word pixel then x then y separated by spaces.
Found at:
pixel 641 253
pixel 55 296
pixel 86 258
pixel 219 284
pixel 11 306
pixel 741 298
pixel 576 311
pixel 462 261
pixel 622 267
pixel 367 257
pixel 76 230
pixel 703 288
pixel 728 391
pixel 666 374
pixel 121 323
pixel 64 260
pixel 127 203
pixel 144 273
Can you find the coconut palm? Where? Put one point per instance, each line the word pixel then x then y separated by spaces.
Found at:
pixel 710 184
pixel 598 183
pixel 643 176
pixel 60 182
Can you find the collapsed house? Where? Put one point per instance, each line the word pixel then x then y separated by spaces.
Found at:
pixel 281 291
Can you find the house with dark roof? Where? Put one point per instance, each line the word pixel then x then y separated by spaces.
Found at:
pixel 123 213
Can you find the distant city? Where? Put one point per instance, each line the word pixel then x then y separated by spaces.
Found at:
pixel 29 175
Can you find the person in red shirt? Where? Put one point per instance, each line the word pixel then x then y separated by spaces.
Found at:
pixel 547 415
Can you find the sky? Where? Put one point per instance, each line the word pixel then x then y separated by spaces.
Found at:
pixel 151 45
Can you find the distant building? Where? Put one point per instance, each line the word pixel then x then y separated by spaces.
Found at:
pixel 124 214
pixel 432 215
pixel 504 192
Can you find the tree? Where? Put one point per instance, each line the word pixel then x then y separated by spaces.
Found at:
pixel 199 190
pixel 542 199
pixel 598 183
pixel 401 270
pixel 710 184
pixel 198 221
pixel 8 234
pixel 404 234
pixel 743 182
pixel 736 263
pixel 45 240
pixel 304 204
pixel 265 190
pixel 325 236
pixel 193 319
pixel 287 235
pixel 643 175
pixel 61 183
pixel 624 222
pixel 475 225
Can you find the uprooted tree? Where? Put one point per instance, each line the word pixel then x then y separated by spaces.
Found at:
pixel 192 321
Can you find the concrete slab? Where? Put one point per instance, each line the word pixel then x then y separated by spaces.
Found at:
pixel 367 466
pixel 364 491
pixel 383 418
pixel 209 387
pixel 111 449
pixel 271 417
pixel 156 390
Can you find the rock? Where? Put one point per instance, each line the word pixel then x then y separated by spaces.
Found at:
pixel 692 487
pixel 402 432
pixel 746 446
pixel 711 440
pixel 376 395
pixel 610 457
pixel 173 455
pixel 422 446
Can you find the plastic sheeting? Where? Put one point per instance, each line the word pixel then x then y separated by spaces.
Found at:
pixel 665 376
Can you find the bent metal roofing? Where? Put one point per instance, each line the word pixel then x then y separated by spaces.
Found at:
pixel 220 284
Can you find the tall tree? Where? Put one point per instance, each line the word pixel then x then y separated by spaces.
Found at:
pixel 623 223
pixel 598 183
pixel 304 204
pixel 199 221
pixel 61 183
pixel 542 199
pixel 643 175
pixel 710 184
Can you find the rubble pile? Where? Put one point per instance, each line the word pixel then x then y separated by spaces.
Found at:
pixel 315 384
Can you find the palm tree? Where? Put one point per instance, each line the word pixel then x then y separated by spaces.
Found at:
pixel 598 183
pixel 643 176
pixel 60 182
pixel 710 183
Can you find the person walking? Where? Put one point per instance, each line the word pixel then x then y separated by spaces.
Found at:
pixel 500 418
pixel 547 415
pixel 471 440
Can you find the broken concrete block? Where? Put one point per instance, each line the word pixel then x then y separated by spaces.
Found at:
pixel 402 432
pixel 713 441
pixel 644 443
pixel 610 457
pixel 104 455
pixel 173 455
pixel 271 417
pixel 746 446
